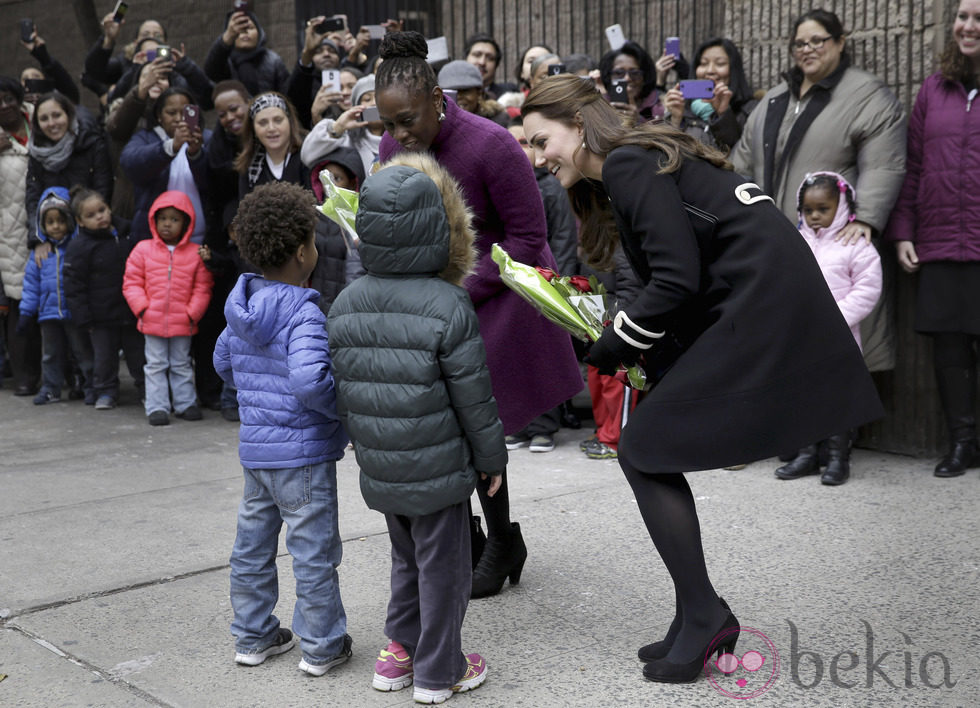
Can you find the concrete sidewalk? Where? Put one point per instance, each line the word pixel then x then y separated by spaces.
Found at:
pixel 115 537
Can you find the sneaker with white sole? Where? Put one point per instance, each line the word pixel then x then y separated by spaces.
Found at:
pixel 597 450
pixel 393 670
pixel 476 674
pixel 253 657
pixel 514 442
pixel 542 443
pixel 319 669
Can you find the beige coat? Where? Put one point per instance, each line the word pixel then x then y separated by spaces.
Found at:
pixel 13 219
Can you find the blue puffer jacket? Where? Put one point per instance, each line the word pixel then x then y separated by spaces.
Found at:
pixel 274 350
pixel 44 287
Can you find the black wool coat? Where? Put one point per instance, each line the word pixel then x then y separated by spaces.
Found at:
pixel 767 363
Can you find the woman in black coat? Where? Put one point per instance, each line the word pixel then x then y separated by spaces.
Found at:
pixel 66 148
pixel 752 354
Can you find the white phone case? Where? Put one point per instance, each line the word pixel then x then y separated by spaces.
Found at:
pixel 614 33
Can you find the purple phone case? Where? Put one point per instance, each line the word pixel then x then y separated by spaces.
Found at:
pixel 698 88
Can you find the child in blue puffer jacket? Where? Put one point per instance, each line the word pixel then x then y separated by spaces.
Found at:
pixel 44 298
pixel 274 351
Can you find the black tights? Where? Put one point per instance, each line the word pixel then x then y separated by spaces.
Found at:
pixel 667 507
pixel 496 509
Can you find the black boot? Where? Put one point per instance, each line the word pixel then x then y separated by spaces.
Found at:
pixel 478 539
pixel 838 460
pixel 503 557
pixel 957 392
pixel 802 465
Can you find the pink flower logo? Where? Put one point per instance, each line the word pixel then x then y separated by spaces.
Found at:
pixel 749 674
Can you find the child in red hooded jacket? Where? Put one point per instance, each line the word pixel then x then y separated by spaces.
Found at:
pixel 168 289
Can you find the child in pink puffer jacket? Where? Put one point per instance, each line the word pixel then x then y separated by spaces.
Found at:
pixel 826 205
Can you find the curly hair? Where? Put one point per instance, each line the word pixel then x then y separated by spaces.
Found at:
pixel 273 221
pixel 954 66
pixel 404 63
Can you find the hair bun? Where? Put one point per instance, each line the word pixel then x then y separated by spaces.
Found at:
pixel 403 44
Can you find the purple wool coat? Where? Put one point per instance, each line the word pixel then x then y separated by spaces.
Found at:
pixel 939 206
pixel 531 361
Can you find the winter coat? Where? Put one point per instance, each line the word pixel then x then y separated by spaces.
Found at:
pixel 94 265
pixel 531 360
pixel 13 215
pixel 562 227
pixel 146 162
pixel 44 286
pixel 319 141
pixel 413 386
pixel 294 171
pixel 275 352
pixel 765 362
pixel 938 208
pixel 56 72
pixel 260 69
pixel 852 272
pixel 168 291
pixel 850 123
pixel 186 75
pixel 89 165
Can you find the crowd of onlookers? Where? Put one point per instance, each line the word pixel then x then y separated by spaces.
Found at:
pixel 831 144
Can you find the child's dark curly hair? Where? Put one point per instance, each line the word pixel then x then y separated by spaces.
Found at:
pixel 832 185
pixel 273 221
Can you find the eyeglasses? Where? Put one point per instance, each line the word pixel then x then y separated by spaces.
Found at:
pixel 815 43
pixel 622 73
pixel 750 661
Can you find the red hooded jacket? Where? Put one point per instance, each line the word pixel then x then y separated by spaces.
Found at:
pixel 168 291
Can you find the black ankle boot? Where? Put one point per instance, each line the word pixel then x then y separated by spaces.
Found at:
pixel 478 539
pixel 838 460
pixel 962 456
pixel 503 557
pixel 804 464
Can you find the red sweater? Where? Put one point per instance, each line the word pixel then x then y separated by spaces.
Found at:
pixel 168 291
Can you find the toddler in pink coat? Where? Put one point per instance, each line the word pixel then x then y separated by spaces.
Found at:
pixel 168 288
pixel 826 204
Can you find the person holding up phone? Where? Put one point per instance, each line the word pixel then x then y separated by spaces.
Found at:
pixel 102 69
pixel 182 70
pixel 241 53
pixel 718 117
pixel 632 63
pixel 51 70
pixel 320 53
pixel 351 129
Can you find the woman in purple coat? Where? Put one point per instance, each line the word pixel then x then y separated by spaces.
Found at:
pixel 532 364
pixel 936 227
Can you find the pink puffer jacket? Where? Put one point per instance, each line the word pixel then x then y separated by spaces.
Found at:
pixel 168 291
pixel 853 273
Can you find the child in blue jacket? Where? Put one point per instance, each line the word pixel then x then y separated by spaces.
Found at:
pixel 274 351
pixel 44 298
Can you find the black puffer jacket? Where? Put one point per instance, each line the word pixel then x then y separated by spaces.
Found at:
pixel 94 265
pixel 260 69
pixel 88 165
pixel 413 388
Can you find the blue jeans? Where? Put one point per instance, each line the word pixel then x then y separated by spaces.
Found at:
pixel 306 499
pixel 168 358
pixel 59 338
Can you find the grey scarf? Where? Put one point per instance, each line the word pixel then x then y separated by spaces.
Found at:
pixel 54 157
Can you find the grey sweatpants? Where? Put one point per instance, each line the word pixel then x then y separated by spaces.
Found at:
pixel 431 577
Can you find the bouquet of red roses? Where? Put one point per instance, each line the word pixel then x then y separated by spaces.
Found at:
pixel 577 304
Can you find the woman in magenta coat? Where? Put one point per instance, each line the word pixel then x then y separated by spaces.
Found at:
pixel 936 227
pixel 532 364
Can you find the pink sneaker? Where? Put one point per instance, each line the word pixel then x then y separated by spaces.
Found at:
pixel 393 669
pixel 476 674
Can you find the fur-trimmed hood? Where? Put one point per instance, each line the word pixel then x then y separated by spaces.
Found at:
pixel 413 220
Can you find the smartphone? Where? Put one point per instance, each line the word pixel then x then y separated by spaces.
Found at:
pixel 39 86
pixel 618 93
pixel 556 69
pixel 377 31
pixel 192 116
pixel 26 30
pixel 371 114
pixel 438 49
pixel 331 24
pixel 151 54
pixel 163 52
pixel 120 12
pixel 331 79
pixel 614 33
pixel 698 88
pixel 241 6
pixel 450 94
pixel 673 46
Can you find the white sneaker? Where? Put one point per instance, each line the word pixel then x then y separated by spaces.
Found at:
pixel 321 669
pixel 476 674
pixel 283 642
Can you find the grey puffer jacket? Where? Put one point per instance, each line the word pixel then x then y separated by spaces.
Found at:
pixel 413 388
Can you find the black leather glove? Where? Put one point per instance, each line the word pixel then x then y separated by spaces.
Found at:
pixel 613 347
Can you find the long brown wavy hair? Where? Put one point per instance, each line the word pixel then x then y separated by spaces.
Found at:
pixel 954 66
pixel 575 102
